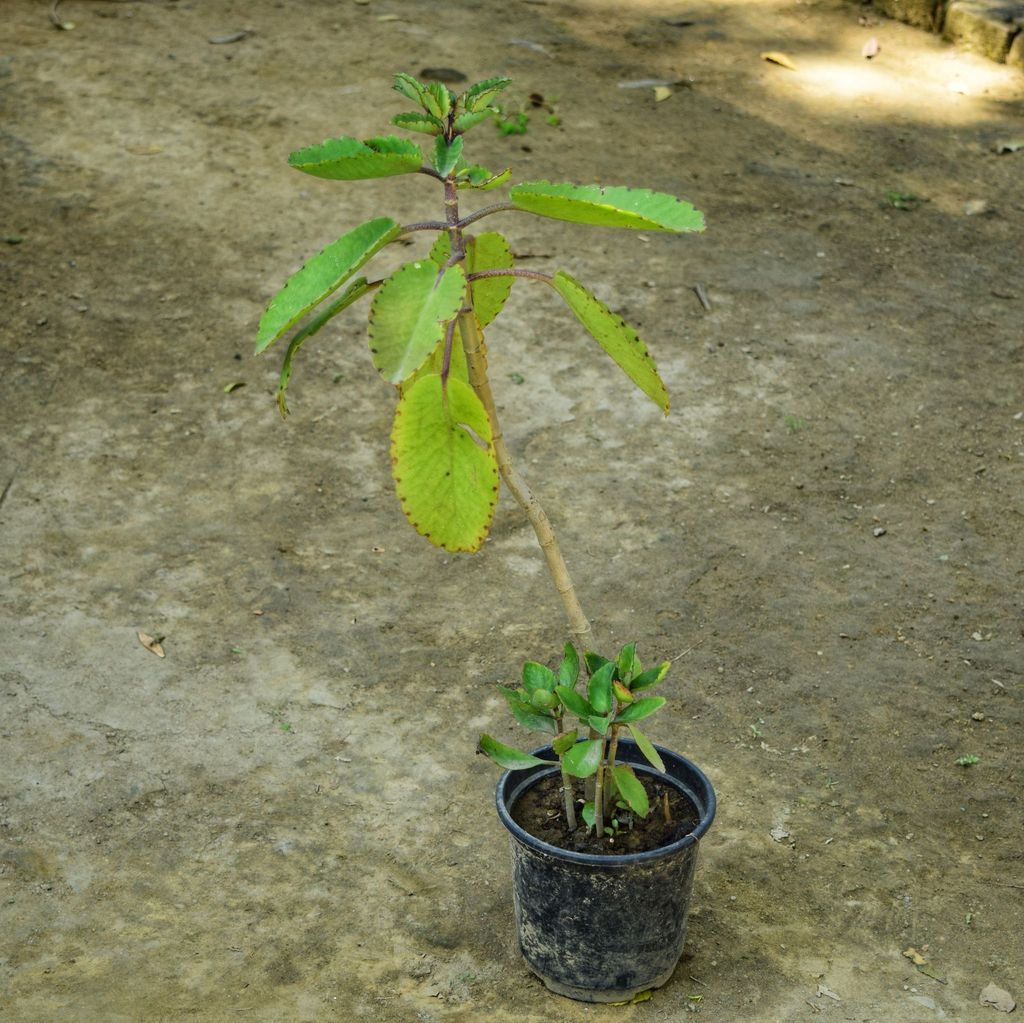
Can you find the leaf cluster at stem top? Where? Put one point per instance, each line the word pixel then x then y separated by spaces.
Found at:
pixel 442 112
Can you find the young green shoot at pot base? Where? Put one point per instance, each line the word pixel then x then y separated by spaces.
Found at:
pixel 611 704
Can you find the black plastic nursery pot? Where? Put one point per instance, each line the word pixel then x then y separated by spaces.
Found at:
pixel 604 928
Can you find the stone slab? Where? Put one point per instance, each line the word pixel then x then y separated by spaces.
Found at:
pixel 988 27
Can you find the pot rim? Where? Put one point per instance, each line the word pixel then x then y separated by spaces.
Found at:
pixel 702 796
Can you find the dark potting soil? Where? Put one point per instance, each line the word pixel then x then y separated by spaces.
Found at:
pixel 541 812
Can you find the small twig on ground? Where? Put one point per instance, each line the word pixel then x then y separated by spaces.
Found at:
pixel 688 650
pixel 702 294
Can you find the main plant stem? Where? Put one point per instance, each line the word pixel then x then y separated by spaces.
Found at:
pixel 568 796
pixel 476 359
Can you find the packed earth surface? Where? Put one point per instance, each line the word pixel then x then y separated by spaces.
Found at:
pixel 283 818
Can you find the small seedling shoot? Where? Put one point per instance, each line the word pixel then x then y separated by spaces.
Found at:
pixel 588 750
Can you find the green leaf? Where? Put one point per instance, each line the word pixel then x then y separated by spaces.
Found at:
pixel 408 316
pixel 527 715
pixel 324 273
pixel 594 661
pixel 599 688
pixel 537 676
pixel 418 121
pixel 565 742
pixel 471 118
pixel 651 677
pixel 647 748
pixel 487 251
pixel 640 710
pixel 627 662
pixel 637 208
pixel 589 814
pixel 443 463
pixel 583 759
pixel 631 789
pixel 569 669
pixel 542 699
pixel 352 293
pixel 446 155
pixel 348 159
pixel 438 99
pixel 441 250
pixel 615 336
pixel 507 756
pixel 573 702
pixel 458 368
pixel 478 96
pixel 483 179
pixel 600 724
pixel 410 87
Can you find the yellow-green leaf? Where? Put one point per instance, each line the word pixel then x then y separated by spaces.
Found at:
pixel 348 159
pixel 408 316
pixel 615 336
pixel 443 462
pixel 637 208
pixel 324 273
pixel 458 368
pixel 487 251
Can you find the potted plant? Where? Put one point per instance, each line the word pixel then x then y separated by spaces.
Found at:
pixel 601 898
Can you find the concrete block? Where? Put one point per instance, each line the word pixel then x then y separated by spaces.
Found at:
pixel 987 27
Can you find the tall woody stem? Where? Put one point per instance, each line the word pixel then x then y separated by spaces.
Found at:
pixel 476 359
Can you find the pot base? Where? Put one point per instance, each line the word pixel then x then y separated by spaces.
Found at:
pixel 605 995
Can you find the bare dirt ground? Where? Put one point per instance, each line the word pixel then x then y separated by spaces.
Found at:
pixel 284 818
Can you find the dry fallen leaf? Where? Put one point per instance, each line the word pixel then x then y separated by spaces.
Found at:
pixel 151 644
pixel 997 998
pixel 231 37
pixel 914 956
pixel 775 57
pixel 661 92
